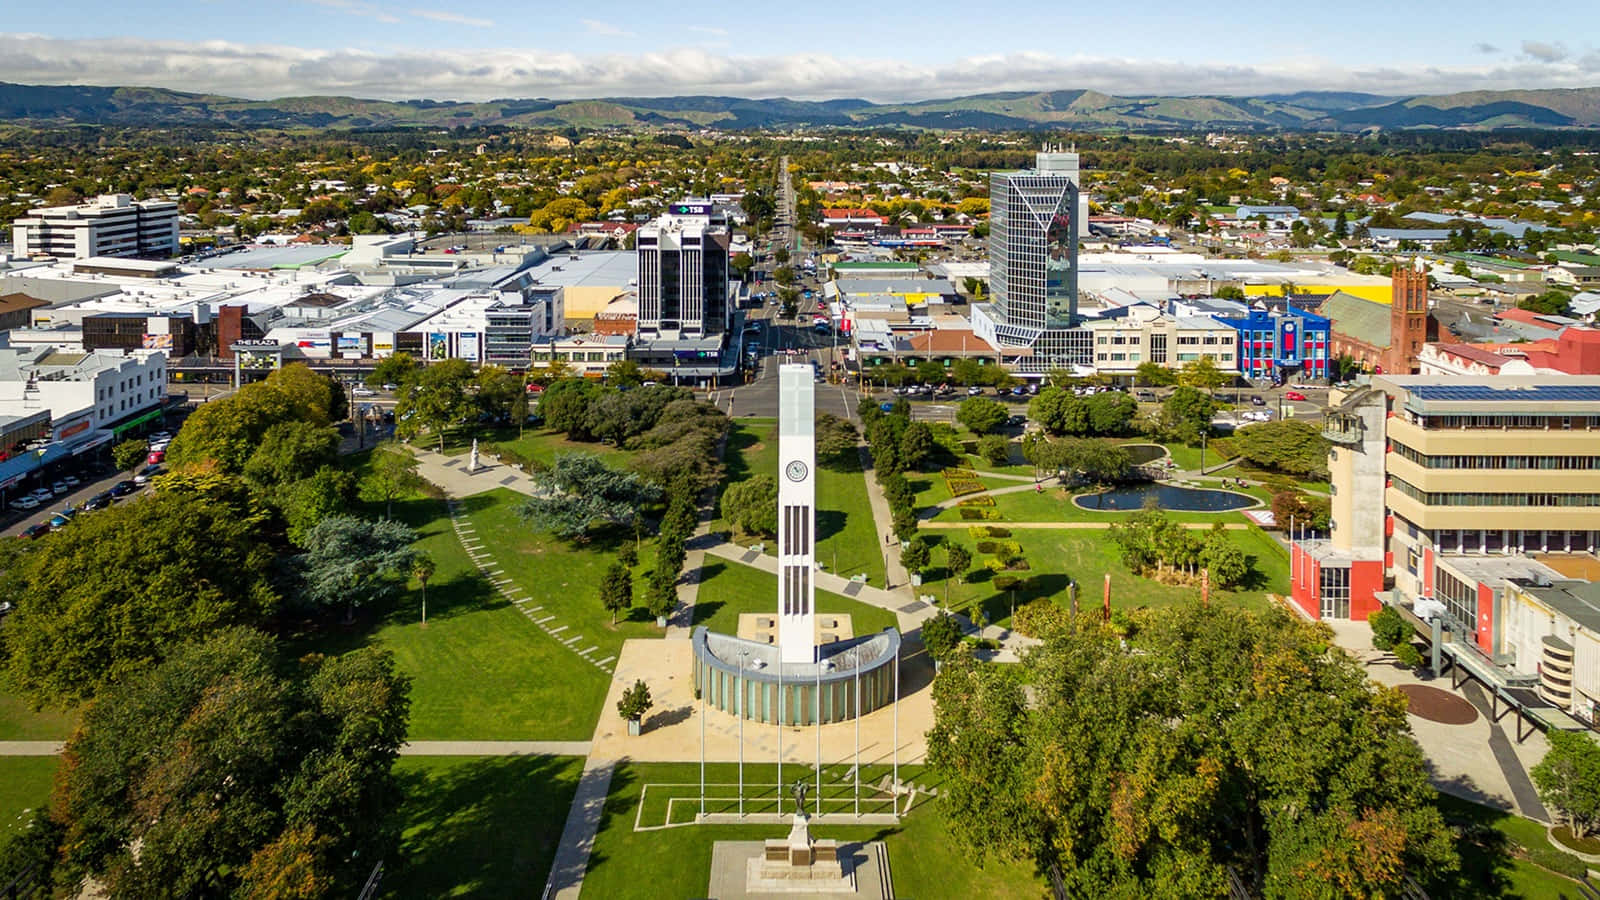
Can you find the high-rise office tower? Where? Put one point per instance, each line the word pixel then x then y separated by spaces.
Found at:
pixel 1034 223
pixel 1033 242
pixel 683 273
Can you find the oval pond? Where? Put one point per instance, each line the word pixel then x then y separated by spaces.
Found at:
pixel 1132 499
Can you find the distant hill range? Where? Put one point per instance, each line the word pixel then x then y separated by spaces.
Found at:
pixel 1060 110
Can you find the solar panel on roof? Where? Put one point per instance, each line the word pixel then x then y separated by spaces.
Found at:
pixel 1530 393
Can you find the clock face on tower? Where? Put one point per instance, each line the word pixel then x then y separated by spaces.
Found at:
pixel 796 471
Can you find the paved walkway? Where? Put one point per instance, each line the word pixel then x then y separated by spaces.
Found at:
pixel 577 838
pixel 884 521
pixel 495 748
pixel 30 748
pixel 451 475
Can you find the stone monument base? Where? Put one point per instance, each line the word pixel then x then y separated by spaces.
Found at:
pixel 736 869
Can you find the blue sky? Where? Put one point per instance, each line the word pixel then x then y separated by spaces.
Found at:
pixel 467 49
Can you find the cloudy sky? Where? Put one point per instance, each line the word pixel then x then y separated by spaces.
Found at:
pixel 473 50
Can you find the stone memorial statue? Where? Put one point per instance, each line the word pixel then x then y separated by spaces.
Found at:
pixel 472 464
pixel 799 789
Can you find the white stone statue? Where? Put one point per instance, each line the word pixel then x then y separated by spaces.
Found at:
pixel 472 463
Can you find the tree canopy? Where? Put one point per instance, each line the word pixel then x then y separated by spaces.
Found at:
pixel 1152 764
pixel 119 590
pixel 354 562
pixel 579 492
pixel 1288 445
pixel 1060 411
pixel 232 430
pixel 981 415
pixel 752 505
pixel 226 770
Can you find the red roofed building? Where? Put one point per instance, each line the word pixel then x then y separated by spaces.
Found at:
pixel 852 217
pixel 1529 318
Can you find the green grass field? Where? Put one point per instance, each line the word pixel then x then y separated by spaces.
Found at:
pixel 848 542
pixel 24 784
pixel 541 445
pixel 480 826
pixel 751 449
pixel 730 589
pixel 19 722
pixel 562 576
pixel 480 669
pixel 676 862
pixel 1054 504
pixel 1493 863
pixel 1056 557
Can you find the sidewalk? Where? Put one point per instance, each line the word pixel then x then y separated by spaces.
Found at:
pixel 884 520
pixel 495 748
pixel 577 837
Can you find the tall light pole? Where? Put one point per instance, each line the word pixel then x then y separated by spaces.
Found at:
pixel 742 655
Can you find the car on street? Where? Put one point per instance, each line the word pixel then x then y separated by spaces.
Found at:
pixel 60 519
pixel 1293 395
pixel 98 501
pixel 122 489
pixel 26 501
pixel 1019 391
pixel 71 481
pixel 1256 400
pixel 59 488
pixel 886 407
pixel 160 436
pixel 1145 396
pixel 974 391
pixel 42 495
pixel 363 392
pixel 36 530
pixel 147 473
pixel 156 457
pixel 1016 421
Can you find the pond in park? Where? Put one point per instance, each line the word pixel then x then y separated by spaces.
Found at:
pixel 1140 454
pixel 1132 499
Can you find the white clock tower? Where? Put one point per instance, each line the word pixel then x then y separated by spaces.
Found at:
pixel 797 502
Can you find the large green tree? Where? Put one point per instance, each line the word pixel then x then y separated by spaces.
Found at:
pixel 1288 445
pixel 229 431
pixel 981 415
pixel 399 369
pixel 752 505
pixel 353 562
pixel 114 594
pixel 1568 779
pixel 440 399
pixel 1152 760
pixel 227 770
pixel 1186 414
pixel 579 493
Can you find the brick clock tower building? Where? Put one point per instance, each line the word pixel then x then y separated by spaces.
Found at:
pixel 1408 320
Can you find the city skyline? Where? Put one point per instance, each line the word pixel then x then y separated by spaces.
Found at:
pixel 476 51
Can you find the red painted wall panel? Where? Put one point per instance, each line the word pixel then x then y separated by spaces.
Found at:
pixel 1485 623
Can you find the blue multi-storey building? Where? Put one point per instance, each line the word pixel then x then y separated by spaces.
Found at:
pixel 1280 344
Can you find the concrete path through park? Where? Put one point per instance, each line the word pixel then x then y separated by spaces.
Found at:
pixel 495 748
pixel 450 473
pixel 577 838
pixel 30 748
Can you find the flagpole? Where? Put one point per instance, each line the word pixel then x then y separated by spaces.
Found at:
pixel 780 733
pixel 858 743
pixel 703 689
pixel 741 735
pixel 819 737
pixel 894 788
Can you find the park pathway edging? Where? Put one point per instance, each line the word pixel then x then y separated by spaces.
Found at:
pixel 577 836
pixel 466 535
pixel 495 748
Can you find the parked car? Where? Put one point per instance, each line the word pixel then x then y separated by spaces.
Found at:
pixel 60 520
pixel 147 473
pixel 26 501
pixel 71 480
pixel 1293 395
pixel 363 392
pixel 1145 396
pixel 122 489
pixel 974 391
pixel 1016 421
pixel 886 407
pixel 36 530
pixel 98 501
pixel 59 488
pixel 1257 400
pixel 1019 391
pixel 160 436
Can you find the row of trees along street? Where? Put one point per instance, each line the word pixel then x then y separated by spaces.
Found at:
pixel 229 766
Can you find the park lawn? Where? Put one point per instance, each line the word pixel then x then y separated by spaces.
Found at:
pixel 25 783
pixel 563 577
pixel 1057 556
pixel 19 722
pixel 848 542
pixel 676 862
pixel 729 589
pixel 751 449
pixel 480 670
pixel 480 826
pixel 1495 868
pixel 1184 456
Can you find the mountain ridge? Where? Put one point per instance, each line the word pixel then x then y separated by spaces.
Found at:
pixel 1066 109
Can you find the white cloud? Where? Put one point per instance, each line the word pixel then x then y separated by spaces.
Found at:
pixel 360 8
pixel 1485 47
pixel 1544 52
pixel 605 29
pixel 267 70
pixel 452 18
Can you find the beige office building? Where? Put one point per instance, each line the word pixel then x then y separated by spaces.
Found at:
pixel 1146 334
